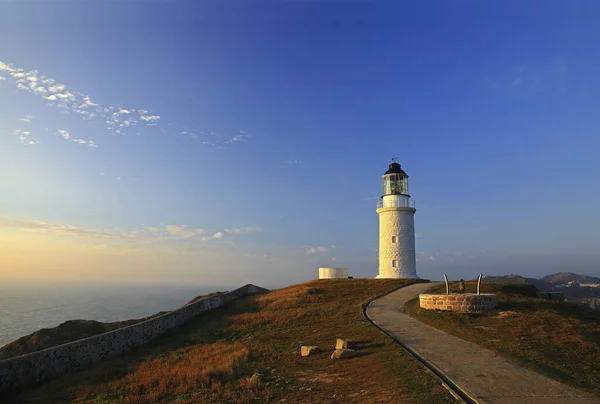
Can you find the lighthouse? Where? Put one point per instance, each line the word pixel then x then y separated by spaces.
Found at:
pixel 396 226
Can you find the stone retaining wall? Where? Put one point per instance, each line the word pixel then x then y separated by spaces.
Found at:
pixel 462 303
pixel 26 370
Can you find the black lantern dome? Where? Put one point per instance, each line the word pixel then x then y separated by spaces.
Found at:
pixel 395 168
pixel 395 180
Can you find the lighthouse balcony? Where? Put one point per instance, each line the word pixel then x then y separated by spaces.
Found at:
pixel 395 203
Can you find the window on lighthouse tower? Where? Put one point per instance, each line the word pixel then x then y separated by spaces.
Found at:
pixel 394 263
pixel 393 239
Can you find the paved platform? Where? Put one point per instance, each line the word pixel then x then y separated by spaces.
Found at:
pixel 480 373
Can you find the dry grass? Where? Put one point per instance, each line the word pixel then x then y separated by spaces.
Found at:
pixel 558 339
pixel 249 352
pixel 175 375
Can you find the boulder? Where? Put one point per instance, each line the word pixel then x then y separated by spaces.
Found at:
pixel 344 344
pixel 256 380
pixel 343 353
pixel 308 350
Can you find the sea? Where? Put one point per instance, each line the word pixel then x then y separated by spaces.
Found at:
pixel 26 307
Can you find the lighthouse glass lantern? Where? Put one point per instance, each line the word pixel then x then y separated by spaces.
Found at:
pixel 395 187
pixel 395 183
pixel 397 258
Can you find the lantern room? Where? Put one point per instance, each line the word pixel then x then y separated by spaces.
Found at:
pixel 395 181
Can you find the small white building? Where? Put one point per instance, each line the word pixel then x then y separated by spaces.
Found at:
pixel 332 273
pixel 397 258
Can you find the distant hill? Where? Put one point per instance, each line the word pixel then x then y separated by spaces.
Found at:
pixel 520 280
pixel 564 277
pixel 512 278
pixel 515 279
pixel 554 283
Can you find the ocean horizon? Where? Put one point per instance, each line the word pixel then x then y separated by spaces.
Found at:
pixel 26 307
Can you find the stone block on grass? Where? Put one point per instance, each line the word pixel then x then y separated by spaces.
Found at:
pixel 308 350
pixel 344 344
pixel 343 353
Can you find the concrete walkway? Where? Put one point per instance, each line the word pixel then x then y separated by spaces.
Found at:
pixel 478 372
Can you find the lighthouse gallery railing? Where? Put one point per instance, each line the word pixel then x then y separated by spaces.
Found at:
pixel 396 204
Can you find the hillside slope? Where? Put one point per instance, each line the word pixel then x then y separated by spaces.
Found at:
pixel 249 351
pixel 69 331
pixel 564 277
pixel 554 283
pixel 513 279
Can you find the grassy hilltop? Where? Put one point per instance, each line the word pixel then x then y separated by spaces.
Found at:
pixel 249 351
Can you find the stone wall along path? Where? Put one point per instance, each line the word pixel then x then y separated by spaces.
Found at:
pixel 463 303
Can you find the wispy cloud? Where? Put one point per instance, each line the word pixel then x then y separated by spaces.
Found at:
pixel 220 141
pixel 293 162
pixel 240 137
pixel 151 119
pixel 24 137
pixel 146 235
pixel 61 229
pixel 26 119
pixel 183 231
pixel 244 230
pixel 315 250
pixel 186 133
pixel 116 120
pixel 67 136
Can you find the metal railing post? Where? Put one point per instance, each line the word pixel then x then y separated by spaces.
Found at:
pixel 479 284
pixel 447 286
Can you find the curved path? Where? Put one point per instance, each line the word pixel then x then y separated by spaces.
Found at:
pixel 479 373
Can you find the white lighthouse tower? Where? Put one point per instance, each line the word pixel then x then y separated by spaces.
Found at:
pixel 396 226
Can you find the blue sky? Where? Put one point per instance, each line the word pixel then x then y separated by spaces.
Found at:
pixel 243 141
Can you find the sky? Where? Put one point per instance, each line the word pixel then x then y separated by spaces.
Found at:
pixel 233 142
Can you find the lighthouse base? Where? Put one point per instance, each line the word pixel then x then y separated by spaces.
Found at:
pixel 400 276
